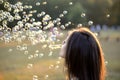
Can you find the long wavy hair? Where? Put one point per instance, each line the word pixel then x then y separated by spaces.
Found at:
pixel 84 58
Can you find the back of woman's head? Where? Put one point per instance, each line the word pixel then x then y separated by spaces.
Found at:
pixel 84 58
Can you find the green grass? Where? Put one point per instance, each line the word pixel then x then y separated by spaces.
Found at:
pixel 13 65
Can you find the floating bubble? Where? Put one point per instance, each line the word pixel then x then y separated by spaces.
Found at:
pixel 50 54
pixel 30 56
pixel 35 77
pixel 57 66
pixel 56 7
pixel 38 4
pixel 66 24
pixel 44 3
pixel 57 62
pixel 59 58
pixel 46 76
pixel 106 62
pixel 37 51
pixel 65 12
pixel 44 46
pixel 90 22
pixel 83 15
pixel 61 15
pixel 108 15
pixel 79 25
pixel 26 52
pixel 29 66
pixel 36 55
pixel 41 55
pixel 70 3
pixel 43 13
pixel 1 1
pixel 51 66
pixel 18 47
pixel 6 5
pixel 10 50
pixel 62 27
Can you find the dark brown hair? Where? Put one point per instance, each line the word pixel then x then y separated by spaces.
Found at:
pixel 84 57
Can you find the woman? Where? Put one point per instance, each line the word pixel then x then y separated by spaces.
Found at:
pixel 83 56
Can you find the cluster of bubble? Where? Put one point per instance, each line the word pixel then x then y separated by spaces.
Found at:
pixel 27 28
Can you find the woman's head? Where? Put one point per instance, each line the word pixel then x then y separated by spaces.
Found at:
pixel 83 55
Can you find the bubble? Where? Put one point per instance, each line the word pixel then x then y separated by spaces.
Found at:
pixel 1 27
pixel 37 51
pixel 10 50
pixel 35 77
pixel 62 27
pixel 56 7
pixel 51 66
pixel 41 55
pixel 25 52
pixel 90 22
pixel 44 3
pixel 96 34
pixel 36 55
pixel 59 58
pixel 29 66
pixel 106 62
pixel 50 54
pixel 46 76
pixel 58 19
pixel 38 4
pixel 32 19
pixel 108 15
pixel 61 15
pixel 69 22
pixel 57 66
pixel 66 24
pixel 83 15
pixel 30 56
pixel 6 5
pixel 65 12
pixel 57 62
pixel 44 46
pixel 79 25
pixel 18 47
pixel 39 15
pixel 1 1
pixel 43 13
pixel 70 3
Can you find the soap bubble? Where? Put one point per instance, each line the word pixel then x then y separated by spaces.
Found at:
pixel 65 12
pixel 35 77
pixel 62 27
pixel 51 66
pixel 30 56
pixel 108 15
pixel 36 55
pixel 41 55
pixel 38 4
pixel 46 76
pixel 70 3
pixel 10 50
pixel 90 22
pixel 26 52
pixel 29 66
pixel 61 15
pixel 79 25
pixel 44 3
pixel 50 54
pixel 1 1
pixel 83 15
pixel 57 66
